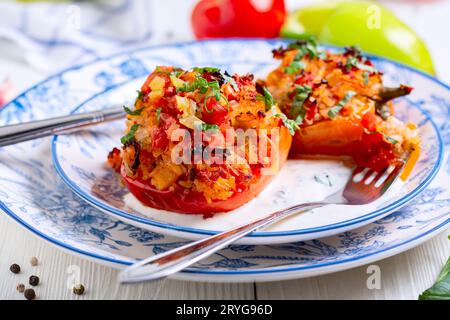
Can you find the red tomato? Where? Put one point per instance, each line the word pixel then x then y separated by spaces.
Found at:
pixel 214 113
pixel 238 18
pixel 369 121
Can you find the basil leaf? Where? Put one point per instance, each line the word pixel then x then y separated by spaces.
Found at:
pixel 133 112
pixel 297 110
pixel 441 289
pixel 158 115
pixel 140 95
pixel 351 62
pixel 306 47
pixel 207 69
pixel 294 67
pixel 130 135
pixel 267 98
pixel 200 83
pixel 209 127
pixel 333 112
pixel 390 140
pixel 291 125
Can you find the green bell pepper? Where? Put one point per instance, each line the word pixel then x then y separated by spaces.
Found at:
pixel 366 24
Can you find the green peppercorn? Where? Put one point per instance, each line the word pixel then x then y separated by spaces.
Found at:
pixel 34 280
pixel 15 268
pixel 29 294
pixel 78 289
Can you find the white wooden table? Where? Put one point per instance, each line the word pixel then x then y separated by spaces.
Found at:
pixel 404 276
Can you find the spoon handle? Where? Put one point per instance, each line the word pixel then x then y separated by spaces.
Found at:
pixel 168 263
pixel 16 133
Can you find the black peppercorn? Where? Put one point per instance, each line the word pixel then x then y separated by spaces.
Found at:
pixel 15 268
pixel 20 287
pixel 34 280
pixel 78 289
pixel 29 294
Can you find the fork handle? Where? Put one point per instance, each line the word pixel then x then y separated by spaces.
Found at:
pixel 16 133
pixel 168 263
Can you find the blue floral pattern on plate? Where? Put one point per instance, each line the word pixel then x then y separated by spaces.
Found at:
pixel 33 194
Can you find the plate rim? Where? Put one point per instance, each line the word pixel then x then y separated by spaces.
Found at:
pixel 360 260
pixel 203 232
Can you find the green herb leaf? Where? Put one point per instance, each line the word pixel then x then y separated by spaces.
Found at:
pixel 158 115
pixel 267 98
pixel 176 73
pixel 130 135
pixel 333 112
pixel 207 69
pixel 202 85
pixel 441 289
pixel 365 67
pixel 290 124
pixel 390 140
pixel 207 127
pixel 351 62
pixel 294 67
pixel 140 95
pixel 301 94
pixel 133 112
pixel 199 83
pixel 306 47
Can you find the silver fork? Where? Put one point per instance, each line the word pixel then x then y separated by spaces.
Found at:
pixel 363 187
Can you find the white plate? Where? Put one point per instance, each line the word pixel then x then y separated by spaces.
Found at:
pixel 33 195
pixel 80 158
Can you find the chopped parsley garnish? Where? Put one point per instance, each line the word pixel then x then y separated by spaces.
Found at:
pixel 177 73
pixel 267 98
pixel 130 112
pixel 355 62
pixel 365 67
pixel 390 140
pixel 158 115
pixel 307 47
pixel 140 95
pixel 207 69
pixel 294 67
pixel 351 62
pixel 206 126
pixel 333 112
pixel 290 124
pixel 301 94
pixel 130 135
pixel 202 85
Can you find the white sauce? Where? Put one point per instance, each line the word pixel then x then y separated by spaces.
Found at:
pixel 299 181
